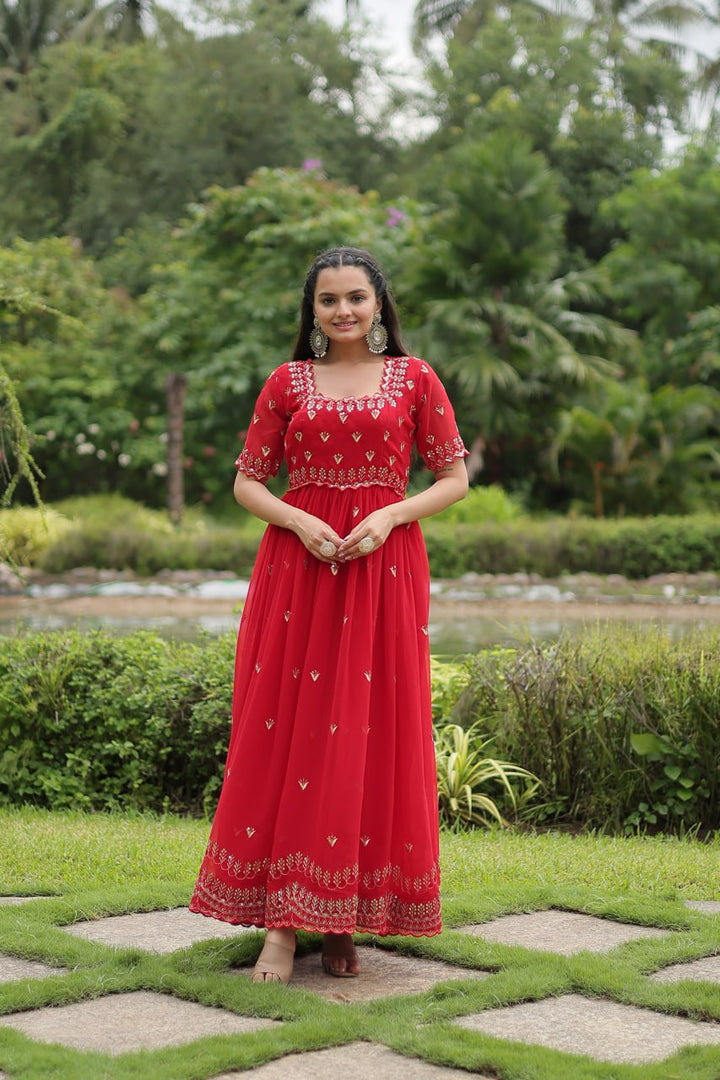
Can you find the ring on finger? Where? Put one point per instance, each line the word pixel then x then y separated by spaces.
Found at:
pixel 327 549
pixel 366 545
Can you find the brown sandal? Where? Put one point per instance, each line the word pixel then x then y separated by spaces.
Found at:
pixel 348 954
pixel 275 963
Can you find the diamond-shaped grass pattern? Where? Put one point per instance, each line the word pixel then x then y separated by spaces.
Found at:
pixel 139 1020
pixel 563 932
pixel 355 1062
pixel 13 967
pixel 384 974
pixel 601 1029
pixel 155 931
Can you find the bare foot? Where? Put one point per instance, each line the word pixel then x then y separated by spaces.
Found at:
pixel 339 956
pixel 275 962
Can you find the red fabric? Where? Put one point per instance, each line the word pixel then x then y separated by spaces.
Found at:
pixel 327 819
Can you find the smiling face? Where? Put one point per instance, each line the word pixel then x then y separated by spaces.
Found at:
pixel 345 303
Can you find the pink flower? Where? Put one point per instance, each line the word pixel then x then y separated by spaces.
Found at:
pixel 395 216
pixel 134 425
pixel 209 451
pixel 311 164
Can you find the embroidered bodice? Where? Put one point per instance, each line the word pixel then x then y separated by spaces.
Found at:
pixel 353 441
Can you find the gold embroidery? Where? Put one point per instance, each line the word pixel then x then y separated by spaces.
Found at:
pixel 295 905
pixel 303 866
pixel 444 453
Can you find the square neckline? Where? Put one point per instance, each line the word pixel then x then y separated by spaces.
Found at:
pixel 381 389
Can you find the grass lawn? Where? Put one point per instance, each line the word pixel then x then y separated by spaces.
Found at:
pixel 94 865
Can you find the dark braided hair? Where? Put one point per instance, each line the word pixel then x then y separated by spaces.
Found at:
pixel 348 256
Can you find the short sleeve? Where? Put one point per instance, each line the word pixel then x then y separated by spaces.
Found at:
pixel 437 437
pixel 262 454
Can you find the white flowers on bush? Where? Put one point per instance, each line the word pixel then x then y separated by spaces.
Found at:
pixel 160 468
pixel 85 448
pixel 124 460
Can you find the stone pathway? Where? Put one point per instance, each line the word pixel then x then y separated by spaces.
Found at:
pixel 563 932
pixel 572 1023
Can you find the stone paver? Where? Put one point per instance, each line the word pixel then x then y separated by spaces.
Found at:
pixel 355 1062
pixel 155 931
pixel 564 932
pixel 19 899
pixel 384 973
pixel 603 1030
pixel 122 1023
pixel 13 968
pixel 710 907
pixel 707 969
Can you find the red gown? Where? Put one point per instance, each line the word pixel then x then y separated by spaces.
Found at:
pixel 328 816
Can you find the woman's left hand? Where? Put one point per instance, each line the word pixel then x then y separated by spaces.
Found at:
pixel 376 527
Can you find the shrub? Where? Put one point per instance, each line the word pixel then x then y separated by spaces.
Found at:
pixel 620 725
pixel 635 548
pixel 99 722
pixel 115 533
pixel 465 773
pixel 26 532
pixel 482 504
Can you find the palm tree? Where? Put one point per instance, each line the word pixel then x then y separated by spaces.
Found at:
pixel 127 21
pixel 617 20
pixel 29 26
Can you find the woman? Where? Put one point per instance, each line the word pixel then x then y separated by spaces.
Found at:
pixel 328 818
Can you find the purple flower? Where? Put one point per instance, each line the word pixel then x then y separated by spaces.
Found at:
pixel 395 216
pixel 310 164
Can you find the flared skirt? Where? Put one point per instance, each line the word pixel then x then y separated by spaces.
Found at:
pixel 327 818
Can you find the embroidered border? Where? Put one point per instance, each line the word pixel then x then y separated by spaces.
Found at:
pixel 295 905
pixel 445 453
pixel 365 476
pixel 392 386
pixel 259 467
pixel 303 865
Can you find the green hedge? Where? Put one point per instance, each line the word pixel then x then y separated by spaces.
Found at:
pixel 621 725
pixel 93 721
pixel 115 533
pixel 634 547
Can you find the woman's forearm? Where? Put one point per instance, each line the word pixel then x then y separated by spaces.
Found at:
pixel 255 497
pixel 451 485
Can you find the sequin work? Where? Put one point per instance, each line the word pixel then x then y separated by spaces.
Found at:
pixel 327 819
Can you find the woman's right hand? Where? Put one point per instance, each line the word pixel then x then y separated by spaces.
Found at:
pixel 313 532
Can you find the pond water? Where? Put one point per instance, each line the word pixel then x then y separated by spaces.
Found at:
pixel 465 615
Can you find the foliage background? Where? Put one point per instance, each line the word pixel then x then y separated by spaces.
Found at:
pixel 546 206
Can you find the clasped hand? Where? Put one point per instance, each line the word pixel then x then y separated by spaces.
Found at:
pixel 377 526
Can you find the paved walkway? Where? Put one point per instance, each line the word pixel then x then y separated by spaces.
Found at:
pixel 605 1030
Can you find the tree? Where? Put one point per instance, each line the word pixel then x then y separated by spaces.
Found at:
pixel 645 451
pixel 517 339
pixel 97 139
pixel 666 268
pixel 29 26
pixel 545 75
